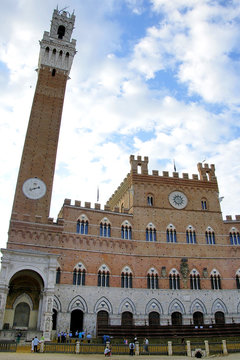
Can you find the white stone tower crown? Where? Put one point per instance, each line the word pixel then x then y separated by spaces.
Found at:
pixel 56 48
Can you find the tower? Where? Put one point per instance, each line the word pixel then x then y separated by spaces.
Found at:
pixel 35 179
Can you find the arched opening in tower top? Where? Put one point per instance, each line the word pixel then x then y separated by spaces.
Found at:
pixel 61 31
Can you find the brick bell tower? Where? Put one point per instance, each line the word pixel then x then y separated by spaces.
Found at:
pixel 35 179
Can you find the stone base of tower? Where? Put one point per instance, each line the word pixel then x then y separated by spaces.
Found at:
pixel 27 282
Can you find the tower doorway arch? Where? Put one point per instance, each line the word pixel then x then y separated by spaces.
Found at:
pixel 76 321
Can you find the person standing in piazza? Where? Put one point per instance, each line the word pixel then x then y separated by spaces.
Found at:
pixel 35 344
pixel 32 345
pixel 131 348
pixel 146 343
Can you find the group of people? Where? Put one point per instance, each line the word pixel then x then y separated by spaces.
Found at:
pixel 132 345
pixel 66 337
pixel 35 343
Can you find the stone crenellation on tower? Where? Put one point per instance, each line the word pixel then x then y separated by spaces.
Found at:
pixel 57 50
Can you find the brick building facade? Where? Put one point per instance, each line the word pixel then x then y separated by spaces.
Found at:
pixel 158 253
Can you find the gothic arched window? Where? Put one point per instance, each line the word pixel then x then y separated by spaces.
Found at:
pixel 103 276
pixel 171 234
pixel 215 280
pixel 105 228
pixel 174 280
pixel 126 278
pixel 82 225
pixel 234 237
pixel 152 279
pixel 210 236
pixel 151 234
pixel 150 200
pixel 126 230
pixel 204 204
pixel 79 275
pixel 195 280
pixel 190 235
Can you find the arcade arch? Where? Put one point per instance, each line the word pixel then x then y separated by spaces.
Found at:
pixel 24 300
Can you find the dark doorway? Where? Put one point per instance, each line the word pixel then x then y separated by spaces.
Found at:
pixel 102 318
pixel 21 315
pixel 154 318
pixel 176 318
pixel 219 318
pixel 198 318
pixel 54 320
pixel 76 321
pixel 127 318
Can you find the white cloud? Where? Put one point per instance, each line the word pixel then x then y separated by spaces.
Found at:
pixel 197 38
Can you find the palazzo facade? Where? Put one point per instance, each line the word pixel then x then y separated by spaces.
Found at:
pixel 159 251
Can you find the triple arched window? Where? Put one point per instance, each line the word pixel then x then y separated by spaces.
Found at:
pixel 105 228
pixel 126 278
pixel 210 236
pixel 82 226
pixel 234 237
pixel 190 235
pixel 174 280
pixel 171 234
pixel 103 276
pixel 195 280
pixel 215 280
pixel 126 230
pixel 152 279
pixel 151 234
pixel 79 275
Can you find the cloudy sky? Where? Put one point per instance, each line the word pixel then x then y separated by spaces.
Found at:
pixel 154 78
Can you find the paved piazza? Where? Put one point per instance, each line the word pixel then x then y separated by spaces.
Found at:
pixel 30 356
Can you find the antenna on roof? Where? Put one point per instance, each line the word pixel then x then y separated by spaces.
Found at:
pixel 174 166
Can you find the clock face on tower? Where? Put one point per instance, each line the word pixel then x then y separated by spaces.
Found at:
pixel 34 188
pixel 178 200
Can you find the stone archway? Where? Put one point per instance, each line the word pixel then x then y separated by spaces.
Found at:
pixel 23 300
